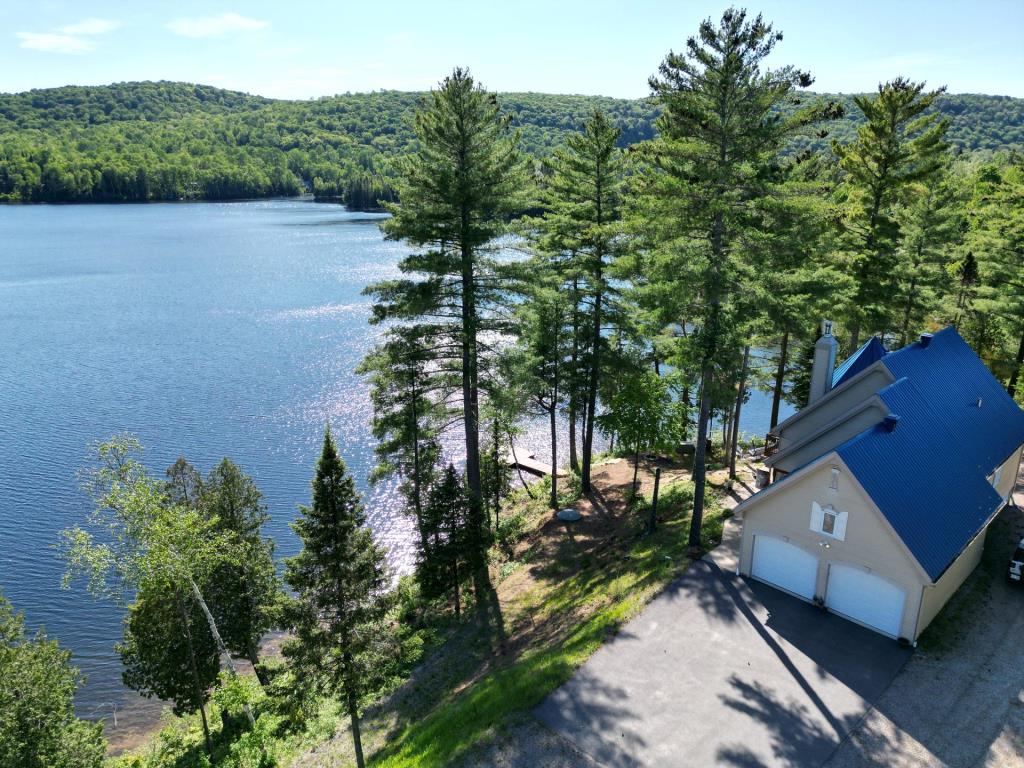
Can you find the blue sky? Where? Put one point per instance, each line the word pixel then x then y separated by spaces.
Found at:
pixel 304 49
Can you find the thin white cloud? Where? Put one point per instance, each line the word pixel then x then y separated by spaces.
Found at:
pixel 214 26
pixel 55 43
pixel 70 39
pixel 91 27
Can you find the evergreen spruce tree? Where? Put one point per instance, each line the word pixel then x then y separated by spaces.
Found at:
pixel 579 237
pixel 901 143
pixel 724 122
pixel 340 582
pixel 446 559
pixel 456 192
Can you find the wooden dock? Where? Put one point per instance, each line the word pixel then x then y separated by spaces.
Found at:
pixel 530 464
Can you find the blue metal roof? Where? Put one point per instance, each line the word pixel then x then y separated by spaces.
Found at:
pixel 928 476
pixel 871 351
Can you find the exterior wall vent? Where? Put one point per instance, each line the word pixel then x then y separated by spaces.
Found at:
pixel 890 421
pixel 926 339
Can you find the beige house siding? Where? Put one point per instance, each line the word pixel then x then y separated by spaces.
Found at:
pixel 833 405
pixel 936 595
pixel 839 434
pixel 869 543
pixel 1008 479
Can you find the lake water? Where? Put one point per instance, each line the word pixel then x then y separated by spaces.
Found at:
pixel 206 329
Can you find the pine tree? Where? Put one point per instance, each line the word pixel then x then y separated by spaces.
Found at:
pixel 580 236
pixel 408 395
pixel 997 240
pixel 930 234
pixel 901 143
pixel 340 582
pixel 446 559
pixel 456 191
pixel 723 125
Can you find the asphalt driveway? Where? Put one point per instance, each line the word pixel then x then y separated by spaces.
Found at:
pixel 721 671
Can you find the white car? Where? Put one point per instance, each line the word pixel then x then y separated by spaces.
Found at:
pixel 1016 572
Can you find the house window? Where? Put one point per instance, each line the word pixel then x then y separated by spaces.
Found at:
pixel 833 482
pixel 828 521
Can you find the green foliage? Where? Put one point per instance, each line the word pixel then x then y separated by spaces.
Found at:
pixel 169 141
pixel 641 413
pixel 900 145
pixel 510 531
pixel 244 594
pixel 996 240
pixel 38 727
pixel 340 581
pixel 168 650
pixel 451 550
pixel 408 394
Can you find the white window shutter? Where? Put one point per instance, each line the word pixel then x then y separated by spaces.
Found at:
pixel 817 517
pixel 840 529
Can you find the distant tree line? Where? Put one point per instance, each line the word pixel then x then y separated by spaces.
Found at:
pixel 178 141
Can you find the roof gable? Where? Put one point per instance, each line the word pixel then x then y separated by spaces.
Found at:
pixel 871 351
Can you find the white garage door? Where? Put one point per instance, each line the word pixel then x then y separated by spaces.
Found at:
pixel 785 566
pixel 865 598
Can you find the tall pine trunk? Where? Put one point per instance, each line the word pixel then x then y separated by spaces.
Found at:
pixel 471 416
pixel 591 408
pixel 595 359
pixel 554 457
pixel 357 739
pixel 780 376
pixel 574 460
pixel 416 479
pixel 699 459
pixel 736 416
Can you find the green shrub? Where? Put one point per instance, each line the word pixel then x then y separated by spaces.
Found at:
pixel 510 531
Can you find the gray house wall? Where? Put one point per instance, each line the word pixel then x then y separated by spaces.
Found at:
pixel 837 402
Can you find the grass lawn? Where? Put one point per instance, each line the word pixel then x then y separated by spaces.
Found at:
pixel 605 586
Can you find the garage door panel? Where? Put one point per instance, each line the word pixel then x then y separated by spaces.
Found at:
pixel 785 566
pixel 866 598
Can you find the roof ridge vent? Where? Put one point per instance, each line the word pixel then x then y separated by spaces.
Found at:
pixel 926 339
pixel 890 421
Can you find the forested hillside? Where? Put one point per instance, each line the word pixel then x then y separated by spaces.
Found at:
pixel 169 141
